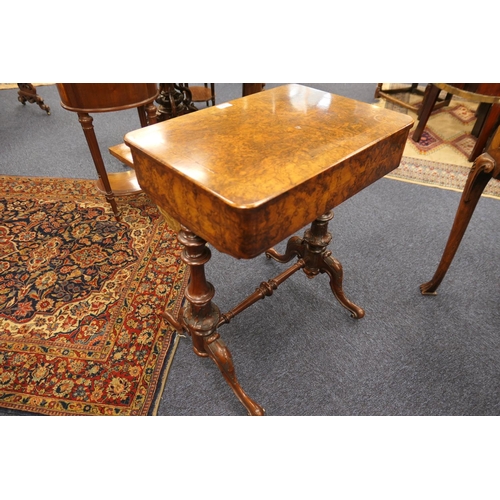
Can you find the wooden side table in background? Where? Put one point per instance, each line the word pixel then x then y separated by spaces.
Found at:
pixel 86 98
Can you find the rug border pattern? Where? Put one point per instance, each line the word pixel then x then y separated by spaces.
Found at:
pixel 154 375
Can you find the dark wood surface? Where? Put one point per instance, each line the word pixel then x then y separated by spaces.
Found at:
pixel 251 88
pixel 105 97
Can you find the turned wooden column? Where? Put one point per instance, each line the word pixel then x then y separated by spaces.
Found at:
pixel 317 259
pixel 88 129
pixel 174 100
pixel 200 316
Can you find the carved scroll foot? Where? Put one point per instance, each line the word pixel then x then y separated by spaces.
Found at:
pixel 293 249
pixel 220 354
pixel 430 287
pixel 482 171
pixel 311 249
pixel 200 316
pixel 333 268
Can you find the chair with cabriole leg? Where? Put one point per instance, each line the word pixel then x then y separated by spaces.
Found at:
pixel 486 167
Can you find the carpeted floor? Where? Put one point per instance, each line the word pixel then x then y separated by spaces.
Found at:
pixel 80 294
pixel 299 352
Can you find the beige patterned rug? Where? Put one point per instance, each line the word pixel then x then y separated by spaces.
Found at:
pixel 440 159
pixel 5 86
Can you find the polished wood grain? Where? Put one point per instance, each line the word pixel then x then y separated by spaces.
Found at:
pixel 105 97
pixel 122 153
pixel 246 175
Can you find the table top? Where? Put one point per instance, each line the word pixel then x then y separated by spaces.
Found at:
pixel 261 167
pixel 105 97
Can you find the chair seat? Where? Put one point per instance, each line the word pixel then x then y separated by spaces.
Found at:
pixel 200 94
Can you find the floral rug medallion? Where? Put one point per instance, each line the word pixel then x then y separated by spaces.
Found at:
pixel 80 296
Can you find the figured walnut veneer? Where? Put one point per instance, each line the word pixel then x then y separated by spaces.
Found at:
pixel 246 175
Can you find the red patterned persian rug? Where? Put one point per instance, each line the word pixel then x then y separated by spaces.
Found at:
pixel 80 297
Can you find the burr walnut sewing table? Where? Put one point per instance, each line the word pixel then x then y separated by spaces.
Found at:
pixel 247 174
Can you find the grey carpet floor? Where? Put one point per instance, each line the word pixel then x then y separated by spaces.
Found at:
pixel 299 352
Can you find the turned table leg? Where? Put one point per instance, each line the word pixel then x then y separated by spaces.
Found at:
pixel 312 249
pixel 200 316
pixel 147 114
pixel 88 129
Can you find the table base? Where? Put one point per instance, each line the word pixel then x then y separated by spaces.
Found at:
pixel 312 249
pixel 200 317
